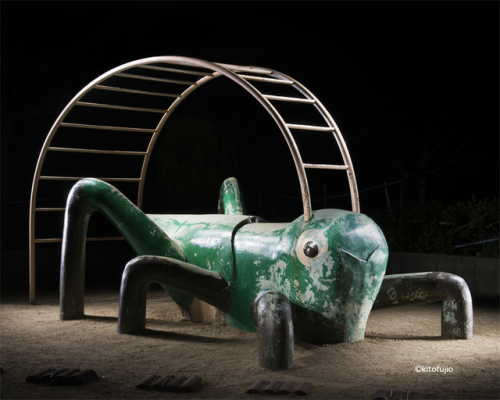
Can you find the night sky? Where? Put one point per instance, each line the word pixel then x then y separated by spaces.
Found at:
pixel 389 73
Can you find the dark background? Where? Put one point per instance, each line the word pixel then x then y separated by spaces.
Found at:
pixel 405 82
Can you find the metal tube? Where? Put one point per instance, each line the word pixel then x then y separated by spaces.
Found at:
pixel 290 99
pixel 268 80
pixel 178 71
pixel 105 127
pixel 117 89
pixel 150 78
pixel 255 70
pixel 75 178
pixel 114 107
pixel 311 127
pixel 326 166
pixel 71 150
pixel 94 239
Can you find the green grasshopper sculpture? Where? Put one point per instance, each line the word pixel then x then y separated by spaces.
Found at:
pixel 315 281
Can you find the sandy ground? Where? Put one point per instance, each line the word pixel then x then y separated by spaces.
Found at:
pixel 397 340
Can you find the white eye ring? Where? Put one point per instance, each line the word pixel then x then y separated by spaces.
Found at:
pixel 310 245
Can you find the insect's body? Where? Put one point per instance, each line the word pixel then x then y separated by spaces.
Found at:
pixel 331 294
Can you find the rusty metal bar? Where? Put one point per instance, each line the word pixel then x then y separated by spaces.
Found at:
pixel 326 166
pixel 126 108
pixel 178 71
pixel 117 89
pixel 268 80
pixel 290 99
pixel 72 150
pixel 255 70
pixel 94 239
pixel 75 178
pixel 105 127
pixel 51 209
pixel 150 78
pixel 311 127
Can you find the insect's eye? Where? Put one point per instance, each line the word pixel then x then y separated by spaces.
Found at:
pixel 311 249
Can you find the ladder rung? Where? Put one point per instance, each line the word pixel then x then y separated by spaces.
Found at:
pixel 53 240
pixel 150 78
pixel 106 127
pixel 70 150
pixel 51 209
pixel 116 89
pixel 98 105
pixel 179 71
pixel 269 80
pixel 311 128
pixel 95 239
pixel 326 166
pixel 291 99
pixel 246 69
pixel 74 178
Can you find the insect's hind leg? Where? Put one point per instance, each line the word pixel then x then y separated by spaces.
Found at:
pixel 208 286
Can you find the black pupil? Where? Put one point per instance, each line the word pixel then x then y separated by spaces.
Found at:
pixel 311 249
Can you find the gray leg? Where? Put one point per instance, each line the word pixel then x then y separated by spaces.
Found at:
pixel 72 280
pixel 429 287
pixel 208 286
pixel 272 314
pixel 89 195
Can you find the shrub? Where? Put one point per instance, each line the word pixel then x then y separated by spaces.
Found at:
pixel 459 228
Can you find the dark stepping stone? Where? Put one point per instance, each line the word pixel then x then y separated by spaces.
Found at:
pixel 286 388
pixel 35 378
pixel 82 377
pixel 157 384
pixel 257 387
pixel 173 385
pixel 63 379
pixel 146 382
pixel 51 375
pixel 192 384
pixel 303 389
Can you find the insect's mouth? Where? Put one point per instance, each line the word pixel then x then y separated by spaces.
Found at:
pixel 360 256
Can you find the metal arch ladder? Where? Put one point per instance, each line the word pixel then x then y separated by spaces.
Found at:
pixel 204 72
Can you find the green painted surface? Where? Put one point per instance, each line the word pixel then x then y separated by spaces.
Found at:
pixel 331 293
pixel 232 198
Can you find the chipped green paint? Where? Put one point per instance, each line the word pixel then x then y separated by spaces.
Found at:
pixel 450 317
pixel 231 198
pixel 331 293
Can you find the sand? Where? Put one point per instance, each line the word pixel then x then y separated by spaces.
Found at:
pixel 396 342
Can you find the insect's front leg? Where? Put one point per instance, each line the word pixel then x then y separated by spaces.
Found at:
pixel 272 314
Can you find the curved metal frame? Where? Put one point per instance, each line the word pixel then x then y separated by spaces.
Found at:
pixel 233 72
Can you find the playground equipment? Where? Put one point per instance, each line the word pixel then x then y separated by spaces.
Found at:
pixel 315 279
